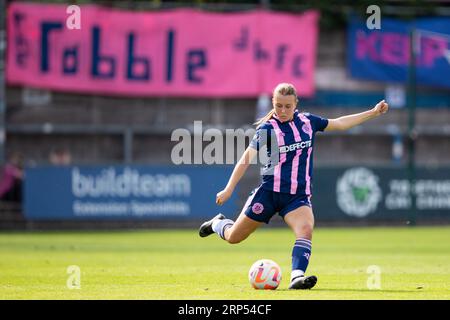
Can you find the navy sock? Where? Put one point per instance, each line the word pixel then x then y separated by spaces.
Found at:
pixel 300 256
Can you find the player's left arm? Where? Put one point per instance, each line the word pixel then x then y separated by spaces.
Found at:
pixel 352 120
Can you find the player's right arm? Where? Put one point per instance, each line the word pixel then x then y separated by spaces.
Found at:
pixel 238 173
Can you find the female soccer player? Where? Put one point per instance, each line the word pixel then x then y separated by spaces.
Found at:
pixel 287 177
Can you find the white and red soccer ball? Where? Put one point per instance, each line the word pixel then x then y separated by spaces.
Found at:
pixel 265 274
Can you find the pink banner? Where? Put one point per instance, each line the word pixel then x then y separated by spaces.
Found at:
pixel 166 53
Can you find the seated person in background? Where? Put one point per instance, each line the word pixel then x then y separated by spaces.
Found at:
pixel 60 156
pixel 11 178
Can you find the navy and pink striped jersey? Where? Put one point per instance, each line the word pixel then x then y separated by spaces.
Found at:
pixel 291 172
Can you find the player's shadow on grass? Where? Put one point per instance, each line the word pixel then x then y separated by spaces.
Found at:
pixel 353 290
pixel 367 290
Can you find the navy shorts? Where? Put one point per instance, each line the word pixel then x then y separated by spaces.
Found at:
pixel 262 204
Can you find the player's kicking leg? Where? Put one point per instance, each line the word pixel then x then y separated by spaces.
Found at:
pixel 206 228
pixel 230 231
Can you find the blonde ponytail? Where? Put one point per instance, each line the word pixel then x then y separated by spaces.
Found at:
pixel 266 118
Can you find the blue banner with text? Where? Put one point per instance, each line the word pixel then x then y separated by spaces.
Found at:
pixel 384 54
pixel 125 192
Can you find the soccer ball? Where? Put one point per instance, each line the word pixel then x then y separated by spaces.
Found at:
pixel 265 274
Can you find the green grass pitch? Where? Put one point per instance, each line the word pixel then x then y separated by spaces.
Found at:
pixel 177 264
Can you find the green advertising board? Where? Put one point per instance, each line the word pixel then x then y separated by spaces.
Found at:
pixel 375 193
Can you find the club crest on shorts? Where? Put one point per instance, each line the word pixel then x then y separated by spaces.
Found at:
pixel 257 208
